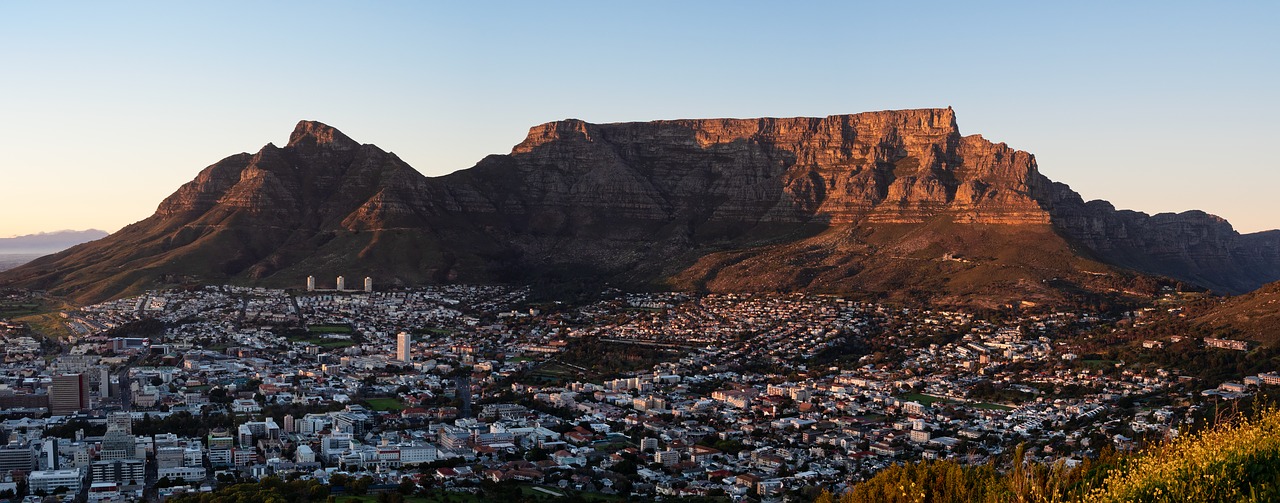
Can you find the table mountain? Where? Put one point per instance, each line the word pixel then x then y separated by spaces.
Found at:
pixel 894 203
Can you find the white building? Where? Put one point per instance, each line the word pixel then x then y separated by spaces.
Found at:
pixel 418 453
pixel 169 457
pixel 667 458
pixel 311 283
pixel 104 492
pixel 331 446
pixel 50 480
pixel 342 283
pixel 368 284
pixel 193 455
pixel 304 454
pixel 186 473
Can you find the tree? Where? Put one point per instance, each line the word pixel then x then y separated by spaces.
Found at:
pixel 407 486
pixel 360 486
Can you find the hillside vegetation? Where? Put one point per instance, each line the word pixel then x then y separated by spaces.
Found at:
pixel 1235 461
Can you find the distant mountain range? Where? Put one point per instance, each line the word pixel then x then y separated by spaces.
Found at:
pixel 893 204
pixel 47 242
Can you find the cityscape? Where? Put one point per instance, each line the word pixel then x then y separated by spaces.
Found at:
pixel 633 252
pixel 744 396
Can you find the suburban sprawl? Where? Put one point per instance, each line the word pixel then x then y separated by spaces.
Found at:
pixel 455 389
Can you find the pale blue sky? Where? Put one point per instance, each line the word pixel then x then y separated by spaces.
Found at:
pixel 106 108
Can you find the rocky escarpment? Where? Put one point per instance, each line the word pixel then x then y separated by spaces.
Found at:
pixel 879 202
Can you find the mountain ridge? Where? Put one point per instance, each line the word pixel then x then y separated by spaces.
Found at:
pixel 48 242
pixel 887 203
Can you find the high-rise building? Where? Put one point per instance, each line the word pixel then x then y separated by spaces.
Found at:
pixel 368 284
pixel 104 382
pixel 288 423
pixel 342 283
pixel 121 471
pixel 311 283
pixel 68 394
pixel 220 444
pixel 403 341
pixel 49 454
pixel 18 456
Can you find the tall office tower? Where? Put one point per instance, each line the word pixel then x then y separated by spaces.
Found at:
pixel 104 383
pixel 311 283
pixel 402 346
pixel 368 284
pixel 68 394
pixel 342 283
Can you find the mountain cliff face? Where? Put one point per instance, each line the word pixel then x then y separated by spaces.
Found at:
pixel 895 203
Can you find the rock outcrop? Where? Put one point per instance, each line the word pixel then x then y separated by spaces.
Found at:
pixel 890 203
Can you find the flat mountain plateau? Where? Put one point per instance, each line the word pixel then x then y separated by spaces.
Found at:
pixel 893 204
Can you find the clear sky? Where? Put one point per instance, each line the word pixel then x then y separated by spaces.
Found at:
pixel 107 107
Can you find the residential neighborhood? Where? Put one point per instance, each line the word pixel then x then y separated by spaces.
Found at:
pixel 750 397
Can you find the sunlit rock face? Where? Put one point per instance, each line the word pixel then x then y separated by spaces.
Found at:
pixel 888 203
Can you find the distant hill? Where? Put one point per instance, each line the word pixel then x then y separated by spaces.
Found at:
pixel 1253 316
pixel 47 242
pixel 893 204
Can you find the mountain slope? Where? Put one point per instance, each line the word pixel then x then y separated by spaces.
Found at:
pixel 1253 316
pixel 894 203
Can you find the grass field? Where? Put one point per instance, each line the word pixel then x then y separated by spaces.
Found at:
pixel 1098 364
pixel 318 333
pixel 48 325
pixel 384 404
pixel 19 309
pixel 929 400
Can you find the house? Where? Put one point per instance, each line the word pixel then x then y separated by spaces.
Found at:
pixel 563 457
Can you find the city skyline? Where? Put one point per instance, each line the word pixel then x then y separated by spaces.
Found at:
pixel 1152 110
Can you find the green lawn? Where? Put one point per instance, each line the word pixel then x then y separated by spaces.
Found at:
pixel 384 404
pixel 48 325
pixel 1098 364
pixel 318 338
pixel 929 400
pixel 926 400
pixel 19 309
